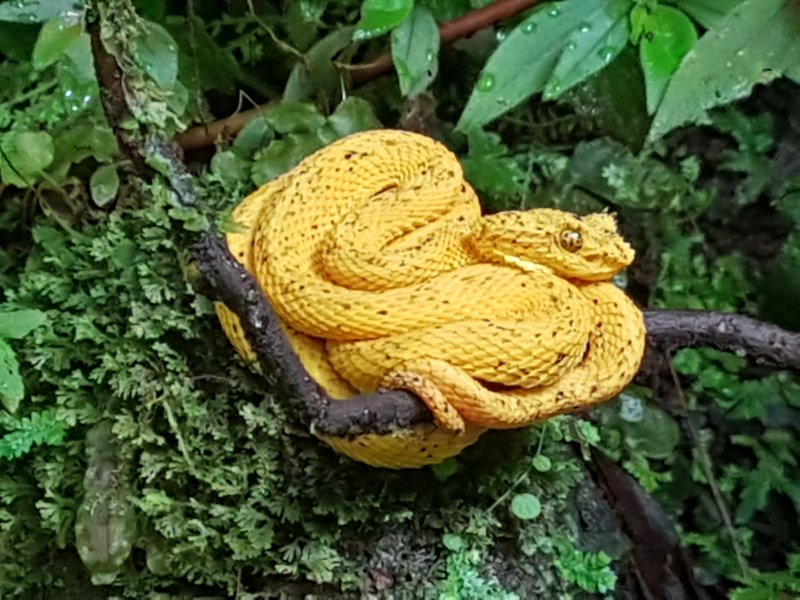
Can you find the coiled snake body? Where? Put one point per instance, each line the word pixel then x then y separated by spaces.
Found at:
pixel 374 254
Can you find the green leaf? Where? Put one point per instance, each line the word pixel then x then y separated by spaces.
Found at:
pixel 526 506
pixel 754 43
pixel 35 11
pixel 34 150
pixel 316 73
pixel 295 117
pixel 353 114
pixel 253 136
pixel 453 542
pixel 592 45
pixel 38 429
pixel 754 495
pixel 707 12
pixel 415 51
pixel 157 53
pixel 282 155
pixel 54 39
pixel 17 324
pixel 229 166
pixel 522 63
pixel 12 389
pixel 542 463
pixel 25 154
pixel 489 168
pixel 445 469
pixel 667 35
pixel 203 64
pixel 379 16
pixel 104 184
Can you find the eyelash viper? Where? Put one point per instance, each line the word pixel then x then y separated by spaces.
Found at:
pixel 374 253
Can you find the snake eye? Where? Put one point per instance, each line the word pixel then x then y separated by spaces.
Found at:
pixel 571 240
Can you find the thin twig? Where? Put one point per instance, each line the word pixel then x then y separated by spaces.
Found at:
pixel 708 471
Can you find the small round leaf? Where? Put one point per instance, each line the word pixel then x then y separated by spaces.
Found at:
pixel 526 506
pixel 542 463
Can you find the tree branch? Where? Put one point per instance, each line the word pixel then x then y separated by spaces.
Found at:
pixel 232 284
pixel 387 409
pixel 204 135
pixel 673 329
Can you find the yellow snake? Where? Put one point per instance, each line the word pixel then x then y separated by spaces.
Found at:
pixel 374 253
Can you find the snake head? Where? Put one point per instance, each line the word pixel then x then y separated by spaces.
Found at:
pixel 587 248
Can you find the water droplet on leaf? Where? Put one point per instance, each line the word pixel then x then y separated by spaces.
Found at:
pixel 485 83
pixel 606 53
pixel 529 27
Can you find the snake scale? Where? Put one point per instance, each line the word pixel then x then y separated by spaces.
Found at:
pixel 375 255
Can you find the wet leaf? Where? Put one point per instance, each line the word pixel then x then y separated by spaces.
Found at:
pixel 229 166
pixel 593 44
pixel 755 43
pixel 36 11
pixel 707 12
pixel 665 36
pixel 522 63
pixel 54 39
pixel 204 65
pixel 157 52
pixel 542 463
pixel 415 51
pixel 379 16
